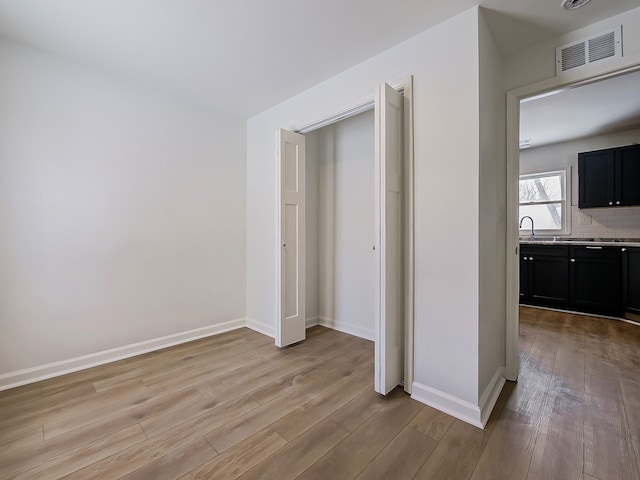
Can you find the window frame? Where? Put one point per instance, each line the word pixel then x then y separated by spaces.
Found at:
pixel 565 203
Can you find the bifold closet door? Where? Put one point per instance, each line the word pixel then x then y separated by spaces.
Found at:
pixel 291 324
pixel 389 342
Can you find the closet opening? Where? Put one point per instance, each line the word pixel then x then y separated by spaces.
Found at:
pixel 345 230
pixel 340 226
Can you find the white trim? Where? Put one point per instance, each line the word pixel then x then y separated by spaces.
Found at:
pixel 345 327
pixel 261 327
pixel 409 245
pixel 512 287
pixel 490 396
pixel 478 416
pixel 311 322
pixel 454 406
pixel 379 228
pixel 571 78
pixel 350 112
pixel 361 107
pixel 55 369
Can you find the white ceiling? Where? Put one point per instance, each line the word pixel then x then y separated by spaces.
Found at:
pixel 517 24
pixel 243 56
pixel 595 109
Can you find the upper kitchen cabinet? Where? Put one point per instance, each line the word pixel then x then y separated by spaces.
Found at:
pixel 596 178
pixel 609 178
pixel 627 173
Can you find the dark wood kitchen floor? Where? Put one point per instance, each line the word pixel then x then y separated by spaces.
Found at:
pixel 234 406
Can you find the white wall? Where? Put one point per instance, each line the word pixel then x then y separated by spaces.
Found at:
pixel 344 199
pixel 492 232
pixel 312 225
pixel 444 61
pixel 538 63
pixel 122 213
pixel 601 222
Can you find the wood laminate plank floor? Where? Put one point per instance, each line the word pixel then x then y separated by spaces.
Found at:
pixel 234 406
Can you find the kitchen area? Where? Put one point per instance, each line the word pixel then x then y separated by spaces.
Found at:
pixel 580 199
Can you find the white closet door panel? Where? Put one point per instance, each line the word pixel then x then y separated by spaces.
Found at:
pixel 389 344
pixel 291 322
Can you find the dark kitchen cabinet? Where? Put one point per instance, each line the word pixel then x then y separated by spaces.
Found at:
pixel 596 178
pixel 609 178
pixel 627 172
pixel 544 275
pixel 631 280
pixel 595 279
pixel 524 277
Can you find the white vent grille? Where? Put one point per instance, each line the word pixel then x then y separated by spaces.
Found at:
pixel 601 47
pixel 585 52
pixel 573 56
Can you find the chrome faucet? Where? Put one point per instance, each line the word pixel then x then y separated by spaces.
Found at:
pixel 533 235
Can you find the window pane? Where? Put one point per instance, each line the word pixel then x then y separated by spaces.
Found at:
pixel 541 189
pixel 545 217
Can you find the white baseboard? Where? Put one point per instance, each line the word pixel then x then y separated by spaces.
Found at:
pixel 354 330
pixel 454 406
pixel 269 330
pixel 490 395
pixel 55 369
pixel 261 327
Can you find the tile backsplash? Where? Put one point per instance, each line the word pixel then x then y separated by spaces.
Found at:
pixel 621 222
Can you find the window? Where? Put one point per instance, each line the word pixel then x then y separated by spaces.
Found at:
pixel 543 197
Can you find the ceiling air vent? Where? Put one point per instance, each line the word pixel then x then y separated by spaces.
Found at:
pixel 590 50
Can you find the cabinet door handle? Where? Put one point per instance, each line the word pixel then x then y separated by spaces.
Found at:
pixel 531 259
pixel 618 202
pixel 610 203
pixel 594 248
pixel 573 260
pixel 623 249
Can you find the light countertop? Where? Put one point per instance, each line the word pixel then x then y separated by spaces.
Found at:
pixel 608 242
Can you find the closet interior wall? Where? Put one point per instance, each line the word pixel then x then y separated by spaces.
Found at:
pixel 340 231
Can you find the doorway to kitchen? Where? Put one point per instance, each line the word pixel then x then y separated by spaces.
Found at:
pixel 548 124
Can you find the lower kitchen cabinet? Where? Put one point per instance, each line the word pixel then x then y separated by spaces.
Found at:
pixel 544 275
pixel 587 278
pixel 631 280
pixel 595 279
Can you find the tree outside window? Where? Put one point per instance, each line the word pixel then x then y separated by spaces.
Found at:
pixel 543 197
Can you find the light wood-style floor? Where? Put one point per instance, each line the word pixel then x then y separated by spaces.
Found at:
pixel 234 406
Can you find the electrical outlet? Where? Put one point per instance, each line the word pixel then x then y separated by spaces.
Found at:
pixel 584 219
